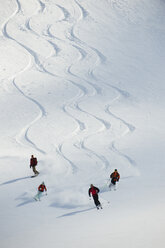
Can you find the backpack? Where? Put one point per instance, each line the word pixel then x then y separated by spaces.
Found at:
pixel 35 161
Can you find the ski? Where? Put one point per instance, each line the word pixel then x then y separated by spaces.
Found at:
pixel 99 207
pixel 35 175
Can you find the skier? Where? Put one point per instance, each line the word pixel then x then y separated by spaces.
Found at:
pixel 94 191
pixel 33 163
pixel 115 176
pixel 41 189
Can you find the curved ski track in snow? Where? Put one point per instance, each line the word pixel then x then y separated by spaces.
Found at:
pixel 23 135
pixel 90 88
pixel 84 50
pixel 96 89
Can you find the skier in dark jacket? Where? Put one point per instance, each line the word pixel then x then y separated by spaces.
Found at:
pixel 94 191
pixel 115 176
pixel 33 164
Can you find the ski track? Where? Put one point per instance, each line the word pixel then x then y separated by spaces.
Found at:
pixel 130 127
pixel 24 132
pixel 84 12
pixel 83 54
pixel 130 160
pixel 33 54
pixel 73 168
pixel 81 127
pixel 42 5
pixel 70 35
pixel 84 50
pixel 101 59
pixel 65 13
pixel 100 160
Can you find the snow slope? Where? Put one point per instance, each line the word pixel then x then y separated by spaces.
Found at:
pixel 82 88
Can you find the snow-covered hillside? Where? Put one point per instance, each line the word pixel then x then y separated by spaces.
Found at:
pixel 82 86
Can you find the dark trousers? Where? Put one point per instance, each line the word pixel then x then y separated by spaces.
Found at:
pixel 34 170
pixel 113 181
pixel 96 200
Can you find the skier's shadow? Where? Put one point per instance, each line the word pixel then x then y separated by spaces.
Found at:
pixel 26 202
pixel 75 212
pixel 14 180
pixel 26 199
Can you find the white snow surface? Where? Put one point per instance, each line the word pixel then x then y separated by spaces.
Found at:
pixel 82 88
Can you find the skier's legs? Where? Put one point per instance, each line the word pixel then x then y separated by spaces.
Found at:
pixel 35 171
pixel 38 195
pixel 96 200
pixel 113 184
pixel 99 204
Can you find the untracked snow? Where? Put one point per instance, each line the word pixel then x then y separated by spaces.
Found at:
pixel 82 88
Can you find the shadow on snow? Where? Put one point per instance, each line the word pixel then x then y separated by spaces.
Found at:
pixel 14 180
pixel 75 212
pixel 27 198
pixel 26 201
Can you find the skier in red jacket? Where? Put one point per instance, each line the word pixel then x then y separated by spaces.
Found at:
pixel 41 189
pixel 94 191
